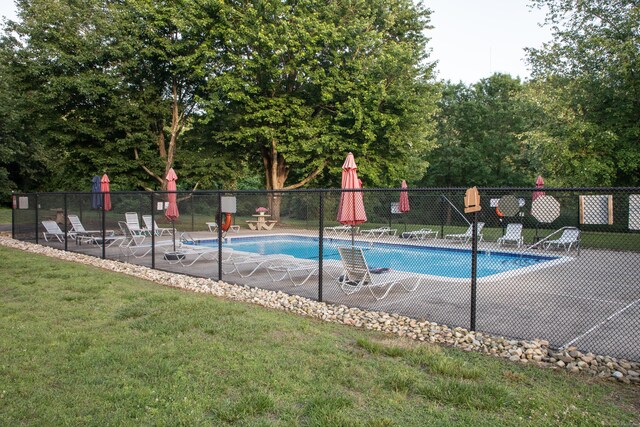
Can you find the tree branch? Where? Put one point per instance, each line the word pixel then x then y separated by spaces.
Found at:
pixel 146 169
pixel 308 178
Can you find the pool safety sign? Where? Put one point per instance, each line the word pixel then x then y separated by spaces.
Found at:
pixel 472 200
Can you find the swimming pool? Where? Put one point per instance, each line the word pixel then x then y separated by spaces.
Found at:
pixel 452 263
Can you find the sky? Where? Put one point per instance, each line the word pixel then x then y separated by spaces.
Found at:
pixel 472 39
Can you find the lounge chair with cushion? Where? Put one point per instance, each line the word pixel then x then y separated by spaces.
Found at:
pixel 421 234
pixel 357 275
pixel 379 232
pixel 52 229
pixel 570 238
pixel 513 234
pixel 151 224
pixel 467 235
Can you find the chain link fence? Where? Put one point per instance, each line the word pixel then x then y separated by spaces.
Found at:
pixel 555 264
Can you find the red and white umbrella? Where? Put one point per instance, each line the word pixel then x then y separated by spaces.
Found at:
pixel 351 209
pixel 172 212
pixel 104 188
pixel 539 184
pixel 403 206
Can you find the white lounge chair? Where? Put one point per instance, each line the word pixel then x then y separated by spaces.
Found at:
pixel 82 235
pixel 187 254
pixel 52 229
pixel 241 262
pixel 213 227
pixel 379 232
pixel 299 271
pixel 421 234
pixel 151 224
pixel 513 234
pixel 570 238
pixel 136 245
pixel 340 230
pixel 467 235
pixel 133 224
pixel 357 276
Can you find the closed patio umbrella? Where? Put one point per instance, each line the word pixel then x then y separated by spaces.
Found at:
pixel 96 197
pixel 172 210
pixel 539 184
pixel 104 188
pixel 403 206
pixel 351 209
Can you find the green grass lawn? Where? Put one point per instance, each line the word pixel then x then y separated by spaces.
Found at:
pixel 5 216
pixel 81 346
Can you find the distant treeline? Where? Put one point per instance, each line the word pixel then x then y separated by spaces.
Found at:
pixel 273 94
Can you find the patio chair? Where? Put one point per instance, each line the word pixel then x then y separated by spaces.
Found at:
pixel 421 234
pixel 570 238
pixel 340 230
pixel 133 224
pixel 213 227
pixel 300 271
pixel 243 261
pixel 187 254
pixel 134 244
pixel 82 235
pixel 357 275
pixel 151 224
pixel 467 235
pixel 513 234
pixel 52 229
pixel 379 232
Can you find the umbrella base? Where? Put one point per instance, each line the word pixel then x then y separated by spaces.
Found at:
pixel 174 256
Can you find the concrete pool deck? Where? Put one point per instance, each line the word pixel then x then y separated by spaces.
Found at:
pixel 591 301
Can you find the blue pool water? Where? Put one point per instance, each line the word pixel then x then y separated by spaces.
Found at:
pixel 453 263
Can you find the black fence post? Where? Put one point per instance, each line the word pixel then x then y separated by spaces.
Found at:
pixel 474 267
pixel 219 221
pixel 14 206
pixel 320 245
pixel 153 233
pixel 66 233
pixel 104 220
pixel 35 196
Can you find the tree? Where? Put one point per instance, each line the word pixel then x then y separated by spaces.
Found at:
pixel 303 82
pixel 478 135
pixel 588 79
pixel 114 84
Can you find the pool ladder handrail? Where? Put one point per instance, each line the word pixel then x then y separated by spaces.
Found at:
pixel 551 235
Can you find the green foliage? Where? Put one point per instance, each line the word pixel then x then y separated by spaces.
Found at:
pixel 303 84
pixel 478 135
pixel 589 86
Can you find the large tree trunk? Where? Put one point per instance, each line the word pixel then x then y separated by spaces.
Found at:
pixel 276 173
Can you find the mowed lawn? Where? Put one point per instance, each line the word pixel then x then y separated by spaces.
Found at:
pixel 83 346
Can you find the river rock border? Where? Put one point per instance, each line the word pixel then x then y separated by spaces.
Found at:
pixel 535 351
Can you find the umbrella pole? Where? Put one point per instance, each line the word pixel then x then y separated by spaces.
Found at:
pixel 173 229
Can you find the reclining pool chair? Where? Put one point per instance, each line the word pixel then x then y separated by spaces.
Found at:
pixel 133 224
pixel 467 235
pixel 52 229
pixel 513 234
pixel 186 254
pixel 570 238
pixel 421 234
pixel 357 275
pixel 151 224
pixel 379 232
pixel 138 245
